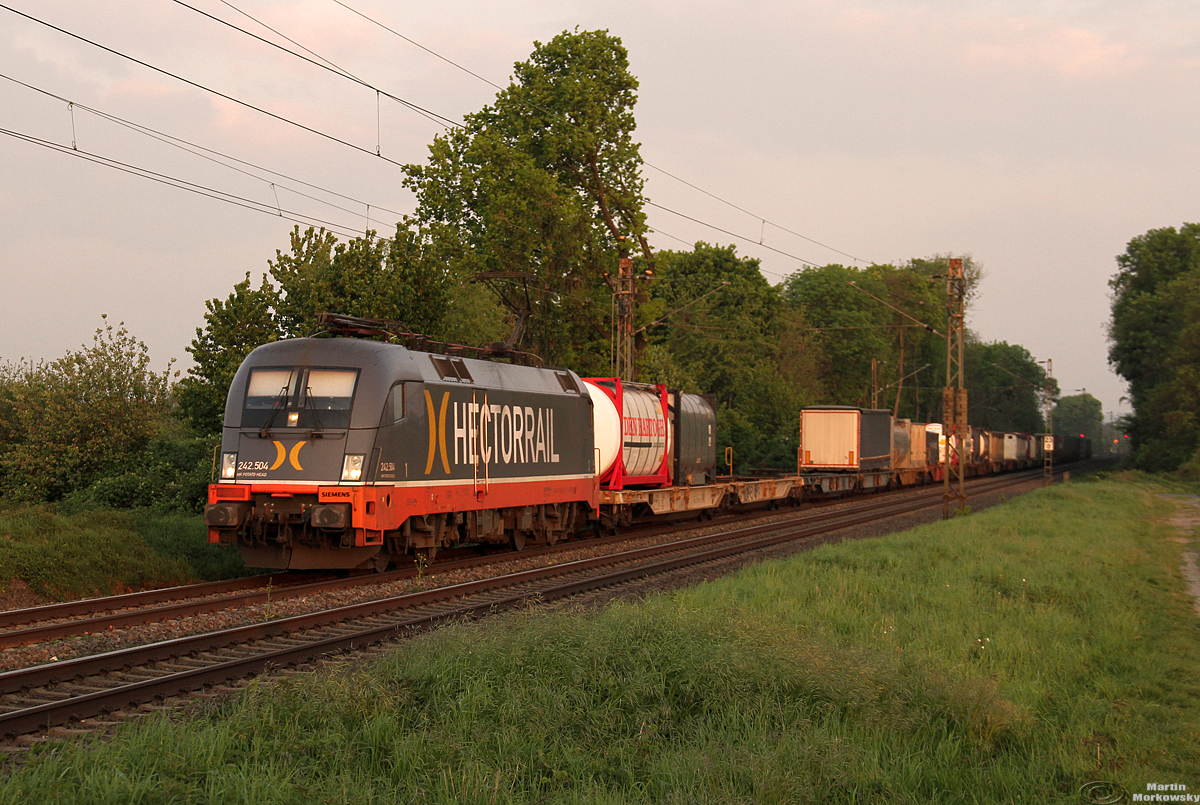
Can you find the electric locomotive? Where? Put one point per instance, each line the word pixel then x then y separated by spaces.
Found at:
pixel 342 452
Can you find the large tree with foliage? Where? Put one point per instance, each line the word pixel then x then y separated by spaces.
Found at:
pixel 545 181
pixel 401 279
pixel 881 313
pixel 1080 415
pixel 1155 343
pixel 1006 386
pixel 88 414
pixel 715 324
pixel 232 328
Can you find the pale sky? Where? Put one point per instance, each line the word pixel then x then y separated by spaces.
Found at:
pixel 1038 137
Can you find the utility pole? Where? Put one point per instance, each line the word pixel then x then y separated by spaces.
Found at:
pixel 874 382
pixel 622 316
pixel 954 396
pixel 1048 441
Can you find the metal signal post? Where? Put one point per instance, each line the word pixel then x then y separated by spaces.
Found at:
pixel 954 397
pixel 1048 439
pixel 622 317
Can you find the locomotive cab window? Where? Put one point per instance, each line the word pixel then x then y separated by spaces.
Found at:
pixel 299 397
pixel 395 410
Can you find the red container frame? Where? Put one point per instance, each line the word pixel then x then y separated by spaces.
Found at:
pixel 616 477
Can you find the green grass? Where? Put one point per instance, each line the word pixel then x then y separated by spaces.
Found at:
pixel 102 552
pixel 1008 656
pixel 185 537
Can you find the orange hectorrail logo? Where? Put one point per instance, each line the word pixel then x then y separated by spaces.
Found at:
pixel 282 453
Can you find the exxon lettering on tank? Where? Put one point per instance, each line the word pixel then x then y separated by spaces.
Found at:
pixel 496 434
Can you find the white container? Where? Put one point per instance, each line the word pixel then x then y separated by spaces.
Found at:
pixel 629 422
pixel 1012 447
pixel 841 438
pixel 936 427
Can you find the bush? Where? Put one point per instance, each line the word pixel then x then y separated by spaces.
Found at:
pixel 171 475
pixel 78 418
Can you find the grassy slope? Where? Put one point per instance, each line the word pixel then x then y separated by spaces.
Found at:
pixel 1009 656
pixel 91 553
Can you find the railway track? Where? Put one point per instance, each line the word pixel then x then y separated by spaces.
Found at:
pixel 35 699
pixel 98 615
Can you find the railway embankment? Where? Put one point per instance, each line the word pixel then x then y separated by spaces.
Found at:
pixel 49 555
pixel 1018 654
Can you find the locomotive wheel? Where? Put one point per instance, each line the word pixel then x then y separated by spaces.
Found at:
pixel 518 541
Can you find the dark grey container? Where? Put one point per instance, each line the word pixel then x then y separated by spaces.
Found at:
pixel 694 428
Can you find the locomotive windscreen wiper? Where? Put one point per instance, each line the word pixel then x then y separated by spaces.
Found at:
pixel 280 403
pixel 308 406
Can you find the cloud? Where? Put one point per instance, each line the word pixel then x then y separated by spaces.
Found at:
pixel 1039 42
pixel 144 88
pixel 1022 43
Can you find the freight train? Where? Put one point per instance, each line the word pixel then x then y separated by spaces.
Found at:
pixel 349 453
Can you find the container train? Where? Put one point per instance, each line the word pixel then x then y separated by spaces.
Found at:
pixel 347 453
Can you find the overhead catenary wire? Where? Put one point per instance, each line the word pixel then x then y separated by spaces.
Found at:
pixel 651 165
pixel 280 34
pixel 414 43
pixel 209 154
pixel 733 234
pixel 442 120
pixel 197 85
pixel 764 221
pixel 220 195
pixel 327 65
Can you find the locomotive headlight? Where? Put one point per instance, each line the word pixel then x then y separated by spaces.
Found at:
pixel 352 468
pixel 228 466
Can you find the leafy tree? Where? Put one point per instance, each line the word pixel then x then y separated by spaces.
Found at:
pixel 1079 414
pixel 10 378
pixel 85 415
pixel 545 181
pixel 726 315
pixel 233 328
pixel 849 329
pixel 1005 385
pixel 727 332
pixel 856 318
pixel 401 279
pixel 366 277
pixel 1155 343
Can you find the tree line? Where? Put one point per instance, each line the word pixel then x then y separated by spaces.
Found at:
pixel 1154 339
pixel 521 219
pixel 522 215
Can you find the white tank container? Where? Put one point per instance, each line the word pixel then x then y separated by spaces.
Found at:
pixel 639 435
